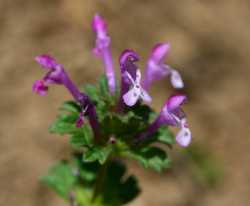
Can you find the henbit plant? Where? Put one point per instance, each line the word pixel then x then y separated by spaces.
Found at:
pixel 107 123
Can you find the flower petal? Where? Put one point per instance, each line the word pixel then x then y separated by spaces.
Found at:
pixel 159 52
pixel 138 77
pixel 99 26
pixel 176 79
pixel 128 55
pixel 46 61
pixel 175 102
pixel 167 118
pixel 40 87
pixel 183 137
pixel 132 81
pixel 102 49
pixel 131 97
pixel 145 96
pixel 80 120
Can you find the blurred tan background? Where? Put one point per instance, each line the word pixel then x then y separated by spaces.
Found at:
pixel 210 47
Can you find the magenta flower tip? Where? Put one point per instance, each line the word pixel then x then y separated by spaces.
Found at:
pixel 99 25
pixel 46 61
pixel 128 55
pixel 156 69
pixel 102 49
pixel 174 102
pixel 40 87
pixel 160 51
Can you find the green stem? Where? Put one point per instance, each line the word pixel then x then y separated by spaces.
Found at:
pixel 100 178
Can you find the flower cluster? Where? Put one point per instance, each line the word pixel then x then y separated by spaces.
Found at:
pixel 133 88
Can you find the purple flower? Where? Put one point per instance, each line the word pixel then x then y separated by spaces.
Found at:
pixel 136 92
pixel 127 65
pixel 57 75
pixel 80 121
pixel 46 61
pixel 102 49
pixel 40 87
pixel 156 69
pixel 171 114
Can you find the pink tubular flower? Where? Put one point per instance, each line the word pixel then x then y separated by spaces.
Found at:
pixel 156 69
pixel 54 75
pixel 171 114
pixel 57 75
pixel 128 68
pixel 102 49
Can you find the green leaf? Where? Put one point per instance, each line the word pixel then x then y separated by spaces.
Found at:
pixel 64 124
pixel 92 92
pixel 83 137
pixel 61 179
pixel 114 124
pixel 165 136
pixel 103 86
pixel 129 189
pixel 151 157
pixel 122 126
pixel 142 112
pixel 84 195
pixel 70 106
pixel 97 153
pixel 118 188
pixel 87 170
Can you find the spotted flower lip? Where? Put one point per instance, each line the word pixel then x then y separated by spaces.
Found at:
pixel 136 92
pixel 184 136
pixel 102 49
pixel 156 69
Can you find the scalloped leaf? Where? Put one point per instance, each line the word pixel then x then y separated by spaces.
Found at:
pixel 151 157
pixel 118 188
pixel 83 137
pixel 61 179
pixel 97 153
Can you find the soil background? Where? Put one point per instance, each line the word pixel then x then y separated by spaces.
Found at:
pixel 210 47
